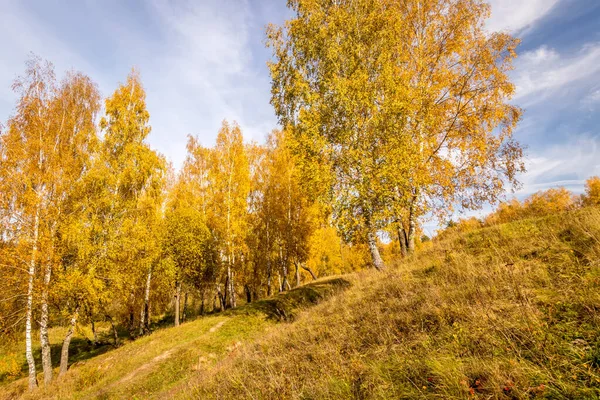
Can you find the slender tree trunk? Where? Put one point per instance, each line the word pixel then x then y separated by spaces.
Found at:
pixel 185 306
pixel 44 340
pixel 131 323
pixel 230 287
pixel 310 271
pixel 177 299
pixel 297 275
pixel 29 310
pixel 248 293
pixel 284 268
pixel 279 281
pixel 201 312
pixel 114 331
pixel 222 296
pixel 412 224
pixel 144 317
pixel 94 333
pixel 268 276
pixel 225 294
pixel 233 296
pixel 64 354
pixel 377 260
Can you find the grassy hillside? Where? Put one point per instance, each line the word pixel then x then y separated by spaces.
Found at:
pixel 509 312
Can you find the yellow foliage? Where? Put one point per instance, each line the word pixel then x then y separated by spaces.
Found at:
pixel 592 192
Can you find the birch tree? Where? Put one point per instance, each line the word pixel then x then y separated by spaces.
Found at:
pixel 130 179
pixel 405 102
pixel 230 178
pixel 45 150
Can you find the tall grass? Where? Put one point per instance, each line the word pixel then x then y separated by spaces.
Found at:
pixel 505 312
pixel 509 311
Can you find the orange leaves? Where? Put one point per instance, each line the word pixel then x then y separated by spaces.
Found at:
pixel 592 191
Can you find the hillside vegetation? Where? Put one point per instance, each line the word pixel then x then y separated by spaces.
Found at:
pixel 507 311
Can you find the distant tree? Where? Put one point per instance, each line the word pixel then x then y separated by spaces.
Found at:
pixel 505 212
pixel 548 202
pixel 230 179
pixel 591 197
pixel 539 204
pixel 187 242
pixel 128 179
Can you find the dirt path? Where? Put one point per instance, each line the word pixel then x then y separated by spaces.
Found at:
pixel 148 365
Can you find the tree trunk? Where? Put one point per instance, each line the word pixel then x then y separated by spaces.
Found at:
pixel 131 323
pixel 185 306
pixel 94 333
pixel 248 293
pixel 377 261
pixel 230 287
pixel 268 277
pixel 402 240
pixel 29 310
pixel 410 240
pixel 411 235
pixel 44 340
pixel 222 296
pixel 310 271
pixel 297 275
pixel 177 299
pixel 64 354
pixel 279 281
pixel 144 317
pixel 201 312
pixel 114 330
pixel 284 270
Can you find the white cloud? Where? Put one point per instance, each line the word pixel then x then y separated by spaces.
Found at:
pixel 204 74
pixel 20 35
pixel 566 164
pixel 515 15
pixel 200 61
pixel 542 71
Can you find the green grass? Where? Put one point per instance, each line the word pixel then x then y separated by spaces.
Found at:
pixel 505 312
pixel 164 360
pixel 13 364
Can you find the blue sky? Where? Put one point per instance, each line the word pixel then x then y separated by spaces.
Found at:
pixel 204 61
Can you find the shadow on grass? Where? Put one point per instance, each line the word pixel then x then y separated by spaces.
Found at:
pixel 282 307
pixel 286 305
pixel 80 350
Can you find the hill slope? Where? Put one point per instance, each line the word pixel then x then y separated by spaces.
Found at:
pixel 511 311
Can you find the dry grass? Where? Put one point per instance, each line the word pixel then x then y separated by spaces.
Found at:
pixel 510 312
pixel 506 312
pixel 166 359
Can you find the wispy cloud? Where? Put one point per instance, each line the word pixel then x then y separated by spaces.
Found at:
pixel 200 61
pixel 204 73
pixel 516 15
pixel 568 164
pixel 541 72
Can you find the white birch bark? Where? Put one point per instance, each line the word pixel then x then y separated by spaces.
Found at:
pixel 29 310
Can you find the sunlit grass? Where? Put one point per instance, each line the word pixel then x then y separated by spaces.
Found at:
pixel 169 357
pixel 508 311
